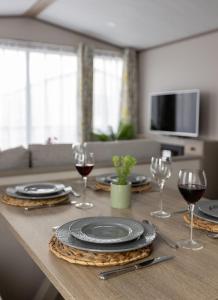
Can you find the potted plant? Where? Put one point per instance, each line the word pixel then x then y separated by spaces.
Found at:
pixel 121 188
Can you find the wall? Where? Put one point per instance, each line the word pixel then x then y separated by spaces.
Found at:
pixel 187 64
pixel 28 29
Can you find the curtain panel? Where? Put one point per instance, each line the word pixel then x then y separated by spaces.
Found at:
pixel 107 71
pixel 38 99
pixel 129 97
pixel 85 92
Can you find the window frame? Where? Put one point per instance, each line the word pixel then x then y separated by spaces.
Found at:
pixel 27 47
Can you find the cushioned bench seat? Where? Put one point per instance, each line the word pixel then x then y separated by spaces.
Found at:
pixel 52 158
pixel 141 149
pixel 14 159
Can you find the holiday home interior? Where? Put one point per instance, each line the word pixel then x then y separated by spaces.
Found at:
pixel 109 74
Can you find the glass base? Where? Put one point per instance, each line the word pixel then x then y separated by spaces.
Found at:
pixel 160 214
pixel 188 244
pixel 84 205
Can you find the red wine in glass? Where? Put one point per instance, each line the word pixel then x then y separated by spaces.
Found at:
pixel 84 163
pixel 192 192
pixel 84 170
pixel 192 185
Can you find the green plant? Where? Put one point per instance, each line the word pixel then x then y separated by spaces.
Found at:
pixel 100 136
pixel 123 166
pixel 125 132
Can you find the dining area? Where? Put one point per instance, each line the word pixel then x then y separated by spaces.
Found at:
pixel 95 243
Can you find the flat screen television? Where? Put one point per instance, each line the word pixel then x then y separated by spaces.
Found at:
pixel 175 113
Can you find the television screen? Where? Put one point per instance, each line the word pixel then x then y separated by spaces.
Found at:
pixel 175 113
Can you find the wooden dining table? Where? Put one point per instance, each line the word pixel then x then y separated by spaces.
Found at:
pixel 190 275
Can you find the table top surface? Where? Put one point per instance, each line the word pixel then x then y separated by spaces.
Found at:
pixel 190 275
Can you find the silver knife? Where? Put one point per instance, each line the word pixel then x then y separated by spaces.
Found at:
pixel 27 208
pixel 168 241
pixel 180 211
pixel 146 263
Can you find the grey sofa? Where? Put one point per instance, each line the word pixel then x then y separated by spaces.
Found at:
pixel 40 158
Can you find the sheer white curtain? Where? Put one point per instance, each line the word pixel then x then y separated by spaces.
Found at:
pixel 53 94
pixel 12 97
pixel 107 91
pixel 38 96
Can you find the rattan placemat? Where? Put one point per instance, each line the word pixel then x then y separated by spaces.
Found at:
pixel 87 258
pixel 136 189
pixel 201 224
pixel 27 203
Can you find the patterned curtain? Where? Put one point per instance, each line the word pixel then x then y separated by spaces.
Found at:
pixel 85 92
pixel 129 100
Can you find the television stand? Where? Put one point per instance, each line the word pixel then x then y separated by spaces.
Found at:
pixel 205 149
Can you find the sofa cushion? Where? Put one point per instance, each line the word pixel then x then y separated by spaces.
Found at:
pixel 51 155
pixel 141 149
pixel 14 158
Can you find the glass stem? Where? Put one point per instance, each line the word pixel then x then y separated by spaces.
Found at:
pixel 191 209
pixel 161 185
pixel 84 188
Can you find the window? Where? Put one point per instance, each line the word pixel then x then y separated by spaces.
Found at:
pixel 107 91
pixel 37 96
pixel 12 97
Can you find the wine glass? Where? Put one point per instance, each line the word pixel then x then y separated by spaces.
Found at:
pixel 84 163
pixel 161 170
pixel 192 185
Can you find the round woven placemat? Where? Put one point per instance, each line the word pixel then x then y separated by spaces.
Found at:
pixel 27 203
pixel 136 189
pixel 87 258
pixel 201 224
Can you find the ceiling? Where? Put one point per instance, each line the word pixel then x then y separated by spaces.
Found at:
pixel 14 7
pixel 127 23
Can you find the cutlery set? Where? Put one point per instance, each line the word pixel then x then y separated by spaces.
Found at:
pixel 143 264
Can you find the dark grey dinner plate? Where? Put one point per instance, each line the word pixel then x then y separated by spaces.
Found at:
pixel 198 213
pixel 64 236
pixel 135 179
pixel 209 207
pixel 106 230
pixel 11 191
pixel 39 189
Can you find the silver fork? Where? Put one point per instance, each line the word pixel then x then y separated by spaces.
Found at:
pixel 161 235
pixel 212 235
pixel 54 228
pixel 72 191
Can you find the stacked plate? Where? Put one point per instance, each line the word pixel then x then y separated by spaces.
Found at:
pixel 106 234
pixel 38 191
pixel 207 210
pixel 135 179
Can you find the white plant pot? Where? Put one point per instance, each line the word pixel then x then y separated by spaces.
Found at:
pixel 120 195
